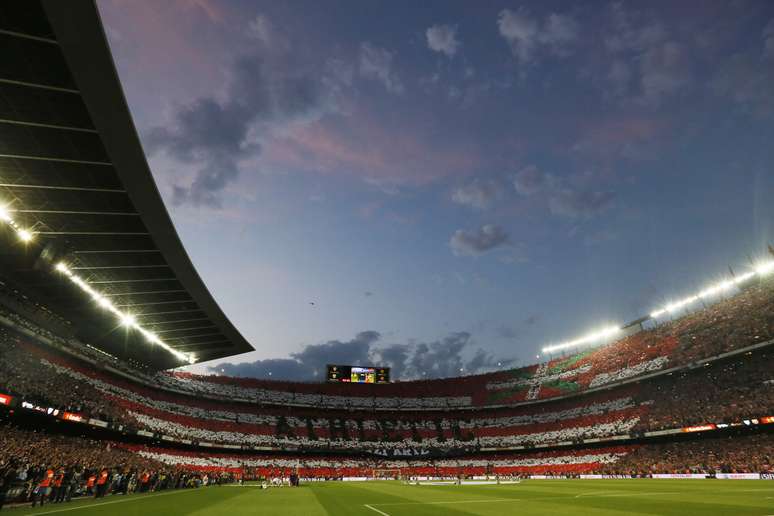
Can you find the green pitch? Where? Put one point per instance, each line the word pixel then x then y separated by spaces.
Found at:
pixel 531 497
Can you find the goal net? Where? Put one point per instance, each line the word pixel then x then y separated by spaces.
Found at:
pixel 387 474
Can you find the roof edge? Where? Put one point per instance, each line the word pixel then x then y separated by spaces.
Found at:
pixel 79 30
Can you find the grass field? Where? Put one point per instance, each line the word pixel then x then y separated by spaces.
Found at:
pixel 539 497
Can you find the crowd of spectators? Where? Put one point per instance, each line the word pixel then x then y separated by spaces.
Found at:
pixel 335 466
pixel 730 389
pixel 60 468
pixel 44 371
pixel 21 374
pixel 747 454
pixel 742 320
pixel 42 468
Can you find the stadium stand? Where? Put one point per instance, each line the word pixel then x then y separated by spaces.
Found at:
pixel 735 387
pixel 86 414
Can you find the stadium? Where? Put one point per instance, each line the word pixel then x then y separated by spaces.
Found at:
pixel 672 413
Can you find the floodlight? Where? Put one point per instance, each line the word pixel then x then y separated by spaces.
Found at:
pixel 24 235
pixel 4 215
pixel 127 320
pixel 765 268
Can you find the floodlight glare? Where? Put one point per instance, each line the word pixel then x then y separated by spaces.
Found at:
pixel 127 320
pixel 591 337
pixel 152 337
pixel 24 235
pixel 765 268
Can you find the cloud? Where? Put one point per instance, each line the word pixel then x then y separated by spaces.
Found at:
pixel 376 63
pixel 768 40
pixel 628 36
pixel 443 39
pixel 478 193
pixel 599 237
pixel 520 30
pixel 559 32
pixel 516 254
pixel 436 359
pixel 473 243
pixel 368 293
pixel 506 332
pixel 574 204
pixel 661 67
pixel 529 180
pixel 532 320
pixel 267 91
pixel 620 77
pixel 307 364
pixel 747 82
pixel 664 71
pixel 260 28
pixel 527 37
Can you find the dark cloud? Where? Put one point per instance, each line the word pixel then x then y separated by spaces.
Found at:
pixel 531 320
pixel 437 359
pixel 368 293
pixel 506 332
pixel 309 363
pixel 574 204
pixel 477 242
pixel 768 40
pixel 267 91
pixel 396 357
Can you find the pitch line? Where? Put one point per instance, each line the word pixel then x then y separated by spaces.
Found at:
pixel 375 509
pixel 493 500
pixel 600 494
pixel 87 506
pixel 498 500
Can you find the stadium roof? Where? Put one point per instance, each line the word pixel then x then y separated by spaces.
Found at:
pixel 73 172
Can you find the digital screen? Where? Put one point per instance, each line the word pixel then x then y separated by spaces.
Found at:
pixel 357 374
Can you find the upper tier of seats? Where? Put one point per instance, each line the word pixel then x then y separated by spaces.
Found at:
pixel 736 388
pixel 744 320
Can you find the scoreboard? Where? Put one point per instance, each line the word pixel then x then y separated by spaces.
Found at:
pixel 357 374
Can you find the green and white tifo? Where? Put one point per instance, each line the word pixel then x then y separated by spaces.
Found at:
pixel 392 498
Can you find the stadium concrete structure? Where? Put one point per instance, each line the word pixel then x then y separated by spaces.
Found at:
pixel 98 300
pixel 74 174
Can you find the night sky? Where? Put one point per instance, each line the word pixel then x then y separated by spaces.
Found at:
pixel 453 185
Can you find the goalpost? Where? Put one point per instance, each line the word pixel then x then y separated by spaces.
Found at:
pixel 387 474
